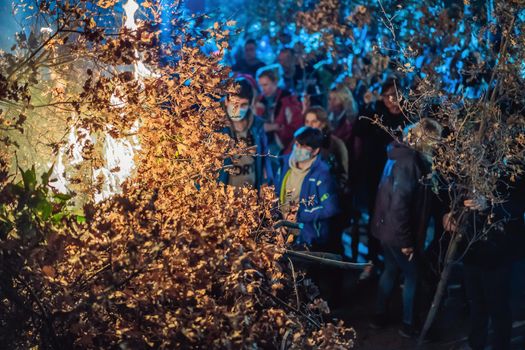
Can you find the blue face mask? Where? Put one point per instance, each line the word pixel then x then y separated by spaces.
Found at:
pixel 240 115
pixel 301 154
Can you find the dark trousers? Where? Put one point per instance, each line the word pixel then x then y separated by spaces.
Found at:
pixel 396 261
pixel 488 293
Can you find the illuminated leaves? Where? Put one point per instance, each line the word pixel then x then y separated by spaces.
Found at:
pixel 175 259
pixel 106 3
pixel 325 19
pixel 49 271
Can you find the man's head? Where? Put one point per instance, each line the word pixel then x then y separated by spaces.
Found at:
pixel 316 117
pixel 389 96
pixel 250 50
pixel 287 60
pixel 308 142
pixel 238 105
pixel 424 135
pixel 268 82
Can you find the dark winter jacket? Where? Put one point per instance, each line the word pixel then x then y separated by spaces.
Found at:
pixel 372 155
pixel 318 201
pixel 403 202
pixel 262 162
pixel 505 240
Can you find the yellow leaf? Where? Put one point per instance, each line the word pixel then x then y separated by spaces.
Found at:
pixel 106 3
pixel 49 271
pixel 92 23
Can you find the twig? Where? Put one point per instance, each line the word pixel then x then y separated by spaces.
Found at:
pixel 326 261
pixel 288 306
pixel 294 284
pixel 285 339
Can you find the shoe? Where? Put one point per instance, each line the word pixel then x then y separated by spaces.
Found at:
pixel 408 331
pixel 379 321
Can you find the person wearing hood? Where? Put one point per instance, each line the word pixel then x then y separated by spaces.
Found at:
pixel 248 169
pixel 304 181
pixel 401 213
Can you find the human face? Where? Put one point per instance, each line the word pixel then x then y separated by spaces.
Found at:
pixel 235 104
pixel 303 153
pixel 390 100
pixel 268 87
pixel 311 120
pixel 250 52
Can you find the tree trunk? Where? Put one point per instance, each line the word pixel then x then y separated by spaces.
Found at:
pixel 440 290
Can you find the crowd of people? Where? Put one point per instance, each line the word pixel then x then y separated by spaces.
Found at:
pixel 329 165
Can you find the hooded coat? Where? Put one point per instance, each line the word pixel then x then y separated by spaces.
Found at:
pixel 263 169
pixel 403 202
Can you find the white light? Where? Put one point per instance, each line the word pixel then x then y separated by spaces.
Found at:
pixel 118 156
pixel 141 71
pixel 130 8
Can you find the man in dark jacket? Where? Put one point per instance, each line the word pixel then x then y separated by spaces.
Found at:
pixel 400 218
pixel 370 144
pixel 489 251
pixel 252 170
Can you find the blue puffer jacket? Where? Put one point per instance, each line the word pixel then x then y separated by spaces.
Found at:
pixel 261 161
pixel 318 201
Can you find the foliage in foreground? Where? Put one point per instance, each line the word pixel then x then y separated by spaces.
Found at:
pixel 174 261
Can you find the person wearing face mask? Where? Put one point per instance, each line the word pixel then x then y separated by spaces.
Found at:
pixel 247 169
pixel 304 181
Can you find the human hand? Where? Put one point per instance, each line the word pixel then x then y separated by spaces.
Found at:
pixel 478 203
pixel 407 251
pixel 449 223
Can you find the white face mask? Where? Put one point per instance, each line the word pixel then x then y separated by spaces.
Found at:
pixel 236 114
pixel 301 154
